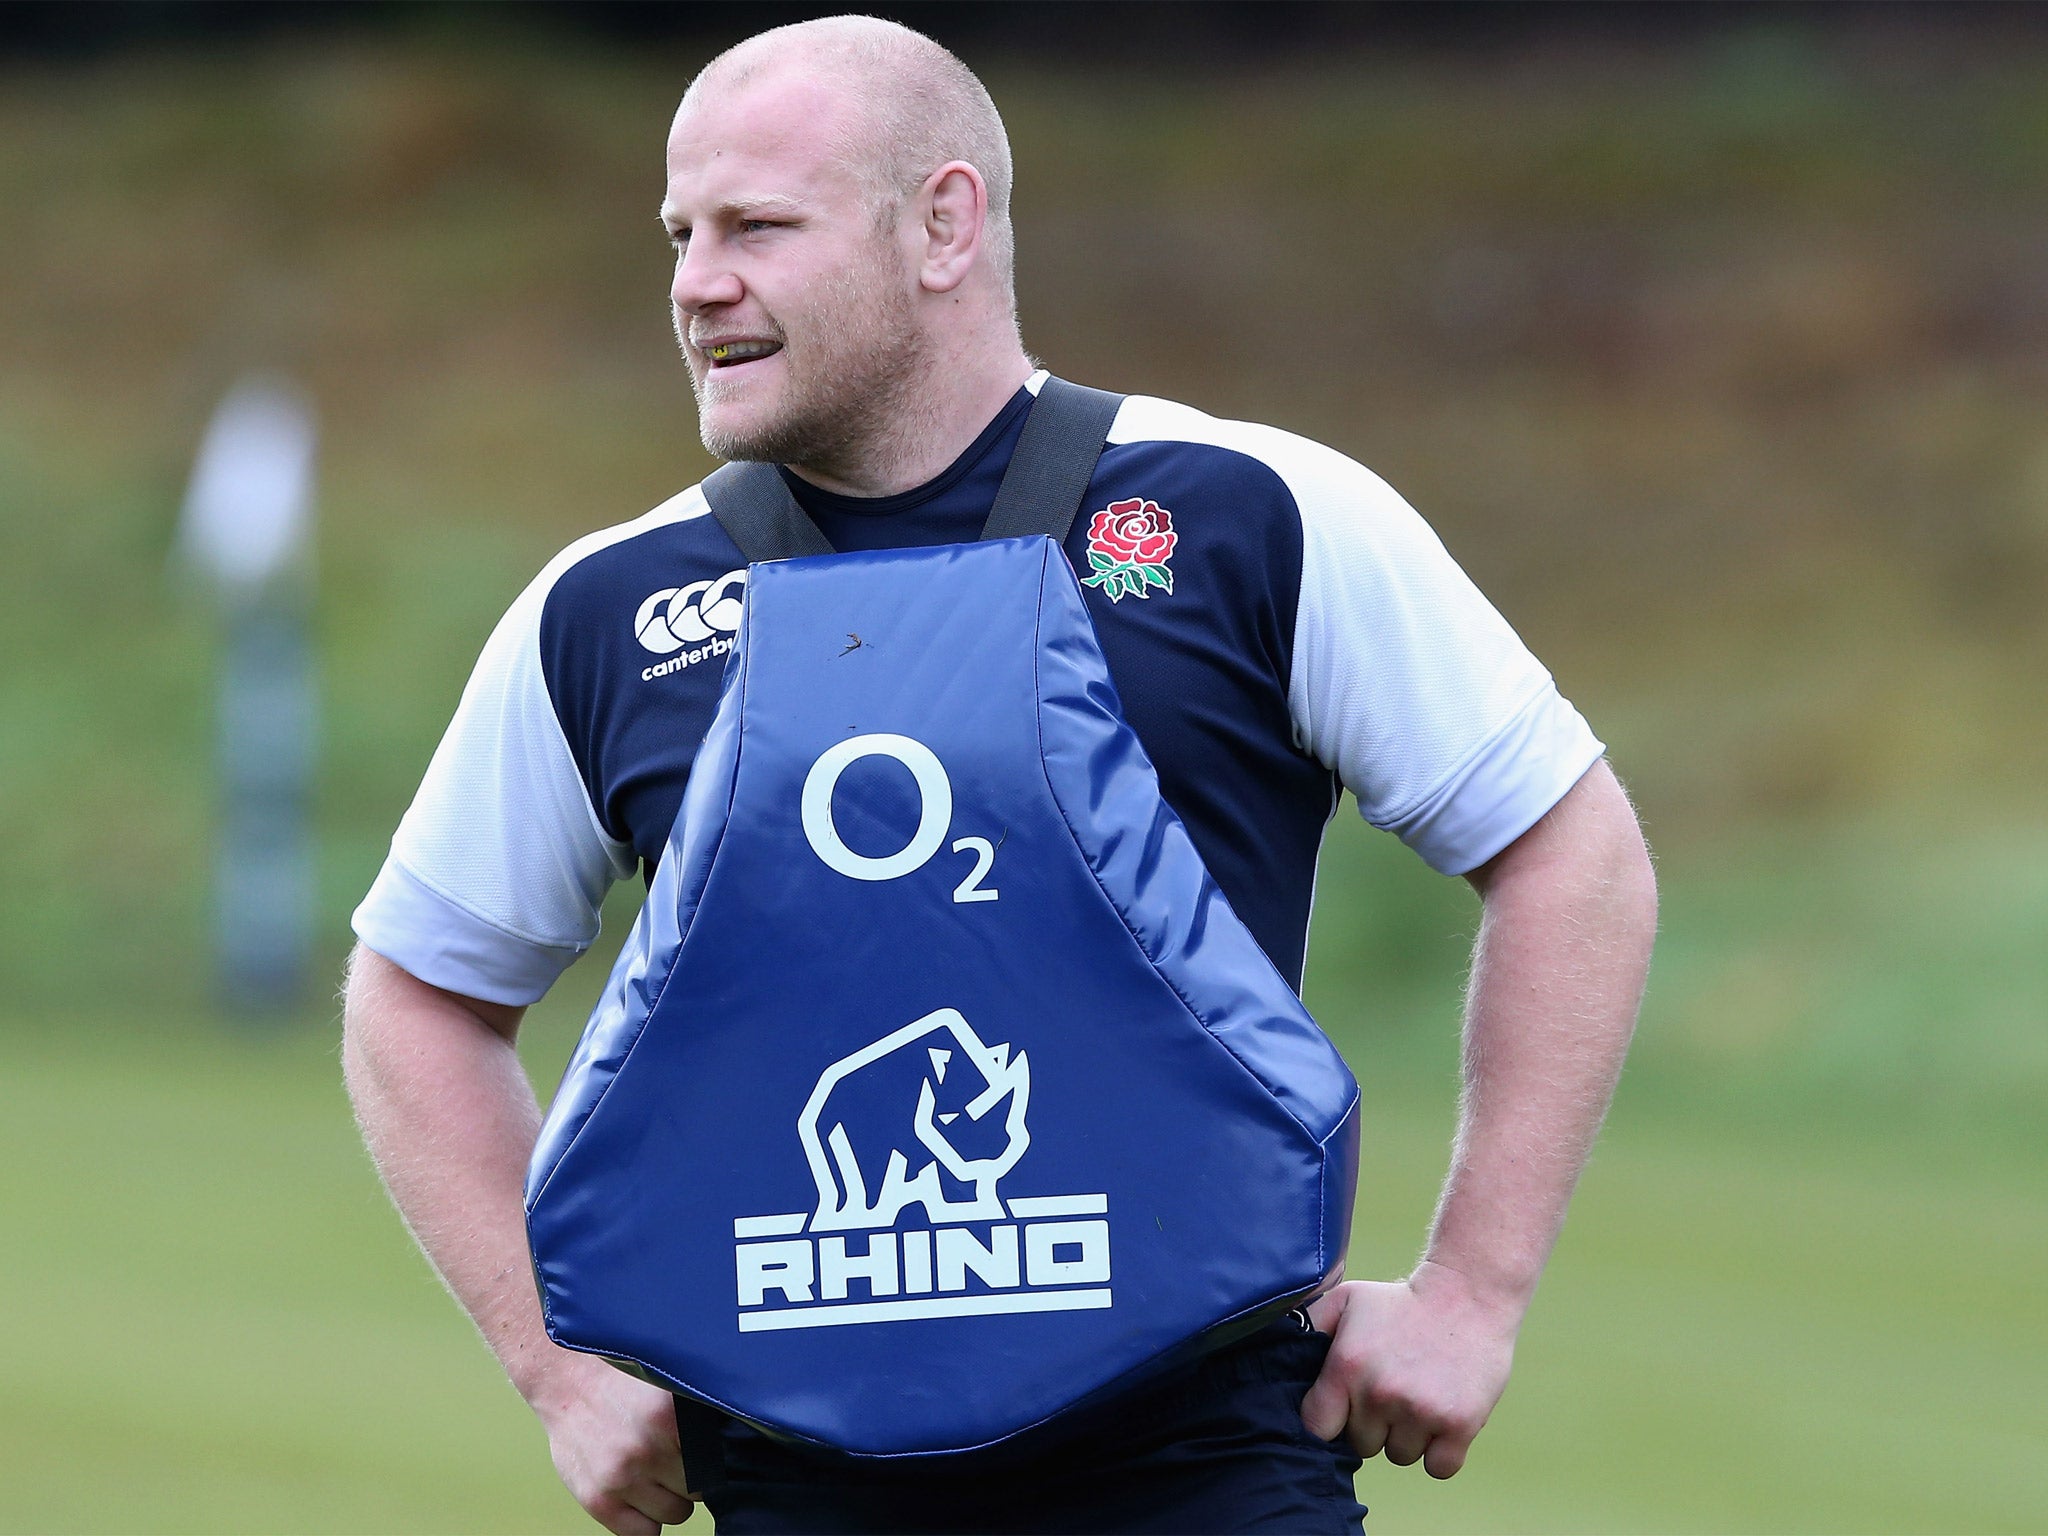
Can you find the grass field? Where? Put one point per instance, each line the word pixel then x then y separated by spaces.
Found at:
pixel 1792 1306
pixel 216 1324
pixel 1720 369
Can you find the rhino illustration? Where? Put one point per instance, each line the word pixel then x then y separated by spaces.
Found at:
pixel 910 1120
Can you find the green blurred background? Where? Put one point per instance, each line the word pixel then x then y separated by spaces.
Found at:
pixel 1715 345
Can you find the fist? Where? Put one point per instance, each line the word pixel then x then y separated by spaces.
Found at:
pixel 613 1438
pixel 1415 1367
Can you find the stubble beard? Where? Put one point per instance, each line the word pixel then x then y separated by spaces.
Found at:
pixel 851 393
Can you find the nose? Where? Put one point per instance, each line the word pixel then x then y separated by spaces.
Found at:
pixel 703 281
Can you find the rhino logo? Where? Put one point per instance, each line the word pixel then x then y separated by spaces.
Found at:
pixel 912 1120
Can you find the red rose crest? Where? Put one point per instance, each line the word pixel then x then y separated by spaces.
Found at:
pixel 1128 546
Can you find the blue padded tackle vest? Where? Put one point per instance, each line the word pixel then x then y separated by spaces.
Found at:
pixel 937 1087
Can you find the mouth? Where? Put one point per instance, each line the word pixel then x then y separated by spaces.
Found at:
pixel 722 356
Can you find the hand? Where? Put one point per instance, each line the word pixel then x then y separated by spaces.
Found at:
pixel 1415 1366
pixel 614 1443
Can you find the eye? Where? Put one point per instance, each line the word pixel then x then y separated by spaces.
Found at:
pixel 679 238
pixel 755 226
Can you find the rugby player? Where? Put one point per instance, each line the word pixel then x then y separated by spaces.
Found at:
pixel 838 198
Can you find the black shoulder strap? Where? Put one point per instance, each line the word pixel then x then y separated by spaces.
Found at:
pixel 1041 491
pixel 758 513
pixel 1054 461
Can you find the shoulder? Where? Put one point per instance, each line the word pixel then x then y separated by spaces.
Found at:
pixel 1313 472
pixel 1334 514
pixel 616 591
pixel 601 566
pixel 596 559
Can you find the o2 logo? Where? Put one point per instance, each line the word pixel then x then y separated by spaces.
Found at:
pixel 934 819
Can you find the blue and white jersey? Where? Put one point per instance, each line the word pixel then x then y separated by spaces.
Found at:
pixel 1280 625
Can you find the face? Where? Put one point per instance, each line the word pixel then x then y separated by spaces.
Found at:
pixel 794 305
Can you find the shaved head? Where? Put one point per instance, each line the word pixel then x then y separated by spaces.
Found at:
pixel 916 107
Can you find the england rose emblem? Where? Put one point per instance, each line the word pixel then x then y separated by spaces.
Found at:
pixel 1129 544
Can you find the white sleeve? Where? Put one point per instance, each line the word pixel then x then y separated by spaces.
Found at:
pixel 1409 685
pixel 497 872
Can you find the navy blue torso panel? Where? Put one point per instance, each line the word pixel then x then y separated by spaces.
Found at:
pixel 1203 674
pixel 938 1085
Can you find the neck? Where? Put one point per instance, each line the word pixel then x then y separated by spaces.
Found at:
pixel 926 428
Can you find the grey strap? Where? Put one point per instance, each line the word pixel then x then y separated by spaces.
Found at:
pixel 759 515
pixel 1041 490
pixel 1054 462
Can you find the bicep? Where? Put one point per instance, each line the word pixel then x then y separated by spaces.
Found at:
pixel 383 996
pixel 1590 836
pixel 1410 685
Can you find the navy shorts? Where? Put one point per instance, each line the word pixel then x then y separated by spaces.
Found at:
pixel 1214 1446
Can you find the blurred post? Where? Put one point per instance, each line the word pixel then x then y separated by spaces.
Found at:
pixel 247 529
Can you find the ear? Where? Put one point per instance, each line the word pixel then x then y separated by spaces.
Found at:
pixel 954 202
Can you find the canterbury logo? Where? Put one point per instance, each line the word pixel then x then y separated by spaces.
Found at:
pixel 688 624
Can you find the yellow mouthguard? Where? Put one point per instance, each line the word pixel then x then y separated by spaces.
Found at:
pixel 719 352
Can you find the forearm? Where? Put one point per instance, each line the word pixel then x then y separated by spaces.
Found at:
pixel 1557 978
pixel 450 1120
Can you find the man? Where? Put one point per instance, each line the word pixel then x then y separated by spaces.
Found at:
pixel 838 197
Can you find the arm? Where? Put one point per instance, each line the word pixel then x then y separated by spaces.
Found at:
pixel 1416 1366
pixel 450 1120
